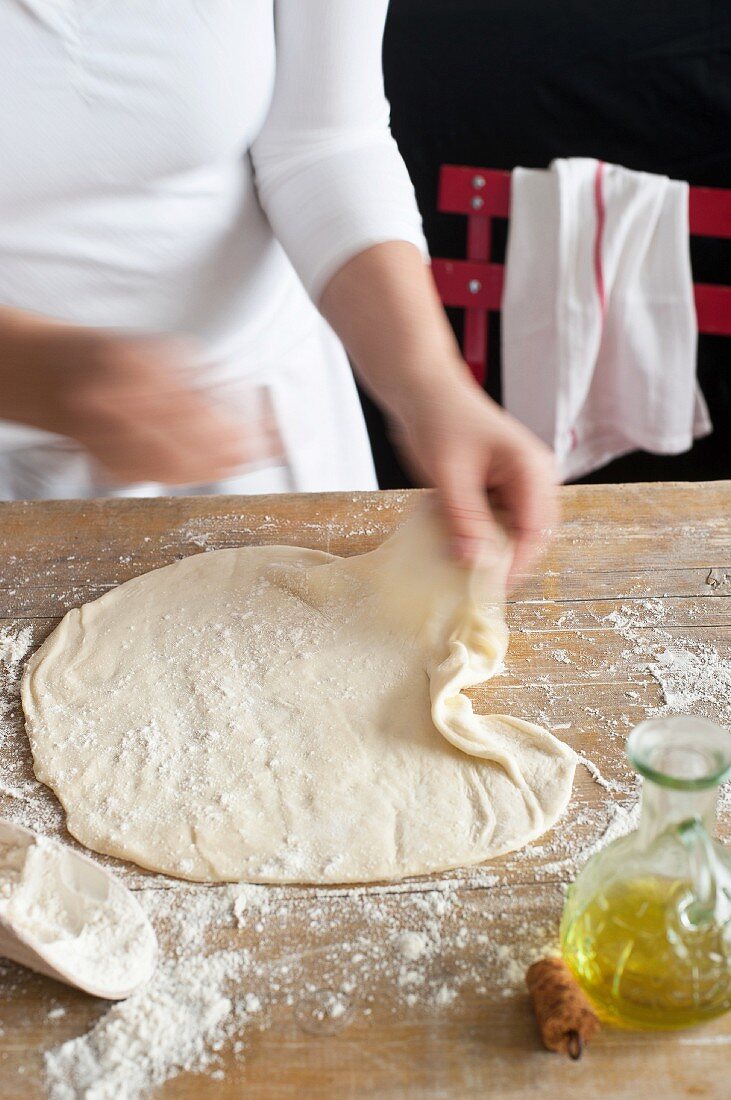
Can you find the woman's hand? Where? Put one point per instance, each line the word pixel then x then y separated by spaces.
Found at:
pixel 124 399
pixel 384 305
pixel 479 458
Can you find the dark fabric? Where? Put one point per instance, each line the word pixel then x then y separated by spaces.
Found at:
pixel 643 83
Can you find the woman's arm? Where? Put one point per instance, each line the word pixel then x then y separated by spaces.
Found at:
pixel 338 196
pixel 121 398
pixel 384 306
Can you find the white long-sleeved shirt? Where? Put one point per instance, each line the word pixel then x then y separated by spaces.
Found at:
pixel 175 165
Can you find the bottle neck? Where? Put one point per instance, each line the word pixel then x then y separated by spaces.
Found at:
pixel 664 808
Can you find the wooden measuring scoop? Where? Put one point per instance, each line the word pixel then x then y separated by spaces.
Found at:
pixel 66 917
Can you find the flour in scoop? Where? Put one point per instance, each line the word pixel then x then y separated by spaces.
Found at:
pixel 85 924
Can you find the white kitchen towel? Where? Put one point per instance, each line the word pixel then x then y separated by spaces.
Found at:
pixel 598 320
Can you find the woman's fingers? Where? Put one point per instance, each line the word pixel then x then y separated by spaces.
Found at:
pixel 468 513
pixel 161 433
pixel 134 410
pixel 529 497
pixel 527 508
pixel 491 473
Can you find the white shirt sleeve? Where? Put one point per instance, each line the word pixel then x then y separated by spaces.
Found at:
pixel 328 171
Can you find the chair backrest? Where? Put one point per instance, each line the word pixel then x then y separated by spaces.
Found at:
pixel 476 285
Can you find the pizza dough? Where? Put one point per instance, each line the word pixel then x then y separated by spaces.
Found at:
pixel 275 714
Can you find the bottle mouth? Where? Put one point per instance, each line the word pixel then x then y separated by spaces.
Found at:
pixel 681 751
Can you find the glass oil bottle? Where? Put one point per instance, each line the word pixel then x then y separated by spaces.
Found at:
pixel 646 929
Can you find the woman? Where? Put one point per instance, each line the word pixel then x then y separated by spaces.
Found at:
pixel 207 170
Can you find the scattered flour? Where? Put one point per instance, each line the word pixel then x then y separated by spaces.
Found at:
pixel 445 995
pixel 691 676
pixel 249 899
pixel 412 945
pixel 623 820
pixel 561 655
pixel 147 1039
pixel 595 773
pixel 14 644
pixel 23 800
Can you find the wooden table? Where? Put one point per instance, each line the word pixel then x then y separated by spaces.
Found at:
pixel 628 561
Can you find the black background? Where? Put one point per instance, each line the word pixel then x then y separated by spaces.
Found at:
pixel 497 83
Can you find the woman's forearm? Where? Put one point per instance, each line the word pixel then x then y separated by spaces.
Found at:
pixel 18 392
pixel 384 306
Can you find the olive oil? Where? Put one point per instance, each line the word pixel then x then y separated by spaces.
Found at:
pixel 638 953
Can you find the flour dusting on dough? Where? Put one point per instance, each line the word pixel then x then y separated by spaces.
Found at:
pixel 263 714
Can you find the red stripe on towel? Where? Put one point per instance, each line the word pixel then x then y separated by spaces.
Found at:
pixel 600 219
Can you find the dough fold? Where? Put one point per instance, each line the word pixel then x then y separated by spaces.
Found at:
pixel 277 714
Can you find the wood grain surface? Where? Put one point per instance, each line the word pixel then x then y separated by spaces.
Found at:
pixel 632 570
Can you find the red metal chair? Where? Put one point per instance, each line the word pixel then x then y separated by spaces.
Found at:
pixel 476 284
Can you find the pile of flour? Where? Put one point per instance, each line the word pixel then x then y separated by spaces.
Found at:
pixel 84 924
